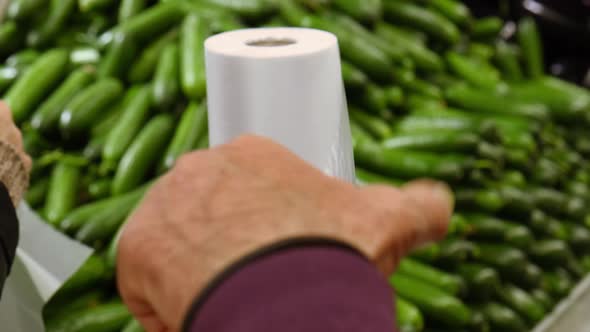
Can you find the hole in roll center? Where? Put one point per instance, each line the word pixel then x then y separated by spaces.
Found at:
pixel 271 42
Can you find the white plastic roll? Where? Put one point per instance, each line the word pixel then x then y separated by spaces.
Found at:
pixel 285 84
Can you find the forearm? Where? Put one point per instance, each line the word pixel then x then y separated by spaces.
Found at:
pixel 8 234
pixel 317 288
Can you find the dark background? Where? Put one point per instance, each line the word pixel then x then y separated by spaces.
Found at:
pixel 564 27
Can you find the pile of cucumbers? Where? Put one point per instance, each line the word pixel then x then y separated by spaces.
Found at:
pixel 110 93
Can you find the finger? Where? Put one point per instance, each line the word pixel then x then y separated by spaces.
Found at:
pixel 27 161
pixel 435 201
pixel 14 137
pixel 5 114
pixel 403 218
pixel 147 317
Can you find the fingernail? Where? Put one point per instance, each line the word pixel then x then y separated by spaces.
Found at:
pixel 444 192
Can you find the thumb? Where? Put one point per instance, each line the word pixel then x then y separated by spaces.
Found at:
pixel 435 201
pixel 417 213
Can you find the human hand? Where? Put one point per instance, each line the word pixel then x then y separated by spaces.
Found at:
pixel 10 134
pixel 15 164
pixel 216 206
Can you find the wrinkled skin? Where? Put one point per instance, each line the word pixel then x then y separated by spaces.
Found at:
pixel 216 206
pixel 10 134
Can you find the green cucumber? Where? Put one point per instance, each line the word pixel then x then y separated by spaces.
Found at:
pixel 148 23
pixel 136 109
pixel 507 59
pixel 345 24
pixel 411 164
pixel 394 96
pixel 86 107
pixel 100 189
pixel 374 99
pixel 451 284
pixel 479 322
pixel 428 253
pixel 94 5
pixel 361 10
pixel 432 301
pixel 459 226
pixel 558 203
pixel 502 318
pixel 31 87
pixel 486 27
pixel 456 251
pixel 78 217
pixel 59 13
pixel 409 318
pixel 578 237
pixel 543 298
pixel 355 49
pixel 558 283
pixel 24 9
pixel 192 56
pixel 482 281
pixel 531 46
pixel 118 57
pixel 373 124
pixel 143 68
pixel 108 121
pixel 550 252
pixel 57 309
pixel 454 10
pixel 46 117
pixel 567 102
pixel 109 317
pixel 489 102
pixel 129 8
pixel 103 225
pixel 482 53
pixel 521 302
pixel 353 77
pixel 90 275
pixel 482 199
pixel 165 86
pixel 438 141
pixel 93 149
pixel 490 228
pixel 10 37
pixel 428 123
pixel 143 153
pixel 133 326
pixel 8 76
pixel 35 195
pixel 477 73
pixel 249 9
pixel 509 261
pixel 365 177
pixel 86 55
pixel 22 59
pixel 63 191
pixel 543 224
pixel 202 143
pixel 432 23
pixel 192 126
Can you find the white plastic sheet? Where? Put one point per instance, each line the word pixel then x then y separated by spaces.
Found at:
pixel 45 259
pixel 285 84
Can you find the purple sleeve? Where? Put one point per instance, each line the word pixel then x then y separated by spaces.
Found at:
pixel 312 289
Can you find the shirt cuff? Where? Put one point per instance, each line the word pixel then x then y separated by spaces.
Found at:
pixel 320 288
pixel 8 233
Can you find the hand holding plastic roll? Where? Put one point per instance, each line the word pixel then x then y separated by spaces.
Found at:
pixel 284 84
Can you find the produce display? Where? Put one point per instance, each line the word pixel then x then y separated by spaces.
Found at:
pixel 110 93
